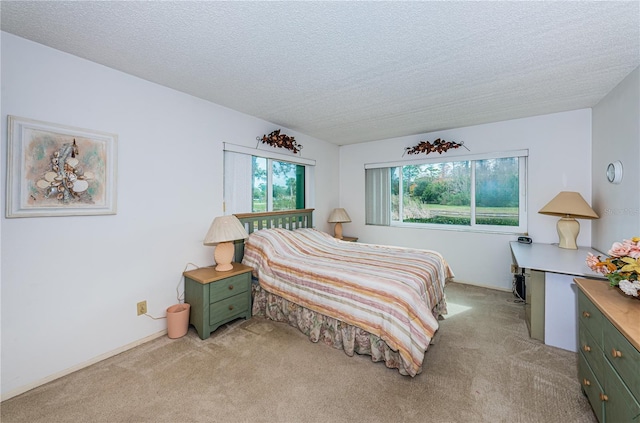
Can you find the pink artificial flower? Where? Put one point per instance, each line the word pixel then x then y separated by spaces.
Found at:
pixel 592 262
pixel 619 249
pixel 634 249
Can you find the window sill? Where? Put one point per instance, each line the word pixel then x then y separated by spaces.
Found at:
pixel 457 228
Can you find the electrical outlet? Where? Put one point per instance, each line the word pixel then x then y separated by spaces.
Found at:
pixel 142 307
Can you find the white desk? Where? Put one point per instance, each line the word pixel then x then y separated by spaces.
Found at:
pixel 558 267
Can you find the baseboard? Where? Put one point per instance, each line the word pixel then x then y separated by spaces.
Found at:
pixel 497 288
pixel 30 386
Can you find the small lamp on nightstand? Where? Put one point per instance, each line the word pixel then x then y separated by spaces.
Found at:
pixel 338 216
pixel 568 206
pixel 223 231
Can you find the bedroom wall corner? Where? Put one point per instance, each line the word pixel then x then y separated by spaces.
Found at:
pixel 616 136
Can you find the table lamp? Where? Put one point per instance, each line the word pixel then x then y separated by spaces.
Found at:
pixel 223 231
pixel 569 206
pixel 338 216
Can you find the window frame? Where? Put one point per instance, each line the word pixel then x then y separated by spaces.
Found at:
pixel 270 156
pixel 269 183
pixel 521 155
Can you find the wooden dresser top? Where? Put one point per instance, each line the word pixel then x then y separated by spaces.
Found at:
pixel 622 310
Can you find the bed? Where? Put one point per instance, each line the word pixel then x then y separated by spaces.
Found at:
pixel 381 301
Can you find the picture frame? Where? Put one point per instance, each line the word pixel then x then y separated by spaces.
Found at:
pixel 58 170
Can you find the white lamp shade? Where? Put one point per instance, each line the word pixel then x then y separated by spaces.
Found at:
pixel 224 229
pixel 339 215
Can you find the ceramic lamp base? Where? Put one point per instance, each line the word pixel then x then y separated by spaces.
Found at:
pixel 337 231
pixel 223 254
pixel 568 230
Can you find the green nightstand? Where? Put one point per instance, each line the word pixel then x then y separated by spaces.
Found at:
pixel 217 297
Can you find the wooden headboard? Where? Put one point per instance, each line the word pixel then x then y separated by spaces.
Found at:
pixel 287 219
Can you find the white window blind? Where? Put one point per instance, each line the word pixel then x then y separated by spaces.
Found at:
pixel 377 195
pixel 237 182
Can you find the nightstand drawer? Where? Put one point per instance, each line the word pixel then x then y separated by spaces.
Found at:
pixel 229 287
pixel 590 317
pixel 227 308
pixel 623 356
pixel 591 352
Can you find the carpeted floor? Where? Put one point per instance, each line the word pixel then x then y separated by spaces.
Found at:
pixel 482 367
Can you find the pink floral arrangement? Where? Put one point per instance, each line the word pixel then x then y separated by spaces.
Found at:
pixel 622 267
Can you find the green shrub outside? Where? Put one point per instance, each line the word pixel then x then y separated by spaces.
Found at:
pixel 466 221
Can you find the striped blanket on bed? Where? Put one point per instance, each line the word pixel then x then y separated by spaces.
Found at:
pixel 391 292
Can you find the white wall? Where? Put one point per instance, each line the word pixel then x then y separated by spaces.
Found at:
pixel 559 155
pixel 616 136
pixel 70 284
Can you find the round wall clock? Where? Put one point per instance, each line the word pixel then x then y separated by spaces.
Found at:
pixel 614 172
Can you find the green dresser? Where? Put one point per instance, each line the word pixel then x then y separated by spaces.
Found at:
pixel 217 297
pixel 608 358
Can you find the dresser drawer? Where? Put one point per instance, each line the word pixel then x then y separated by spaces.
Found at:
pixel 590 386
pixel 623 356
pixel 227 308
pixel 229 287
pixel 591 351
pixel 590 317
pixel 620 405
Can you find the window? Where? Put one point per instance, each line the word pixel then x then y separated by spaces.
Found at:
pixel 486 193
pixel 277 185
pixel 257 181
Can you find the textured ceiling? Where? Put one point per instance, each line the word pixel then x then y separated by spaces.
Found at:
pixel 349 72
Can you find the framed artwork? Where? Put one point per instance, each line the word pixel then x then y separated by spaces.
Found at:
pixel 56 170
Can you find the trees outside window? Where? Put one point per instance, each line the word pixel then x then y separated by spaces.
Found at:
pixel 277 185
pixel 484 194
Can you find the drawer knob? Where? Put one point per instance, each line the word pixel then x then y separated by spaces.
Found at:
pixel 586 382
pixel 586 348
pixel 604 397
pixel 230 307
pixel 230 287
pixel 586 314
pixel 616 353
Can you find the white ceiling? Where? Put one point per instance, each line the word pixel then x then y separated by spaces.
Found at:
pixel 349 72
